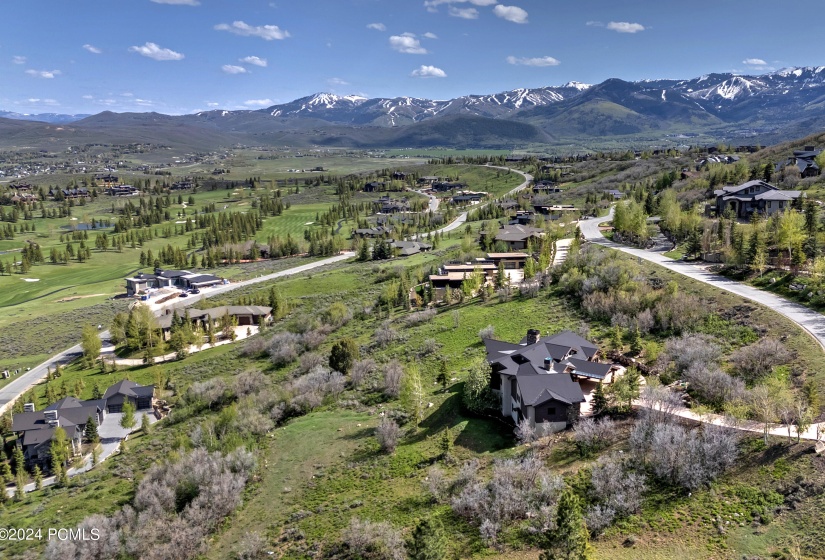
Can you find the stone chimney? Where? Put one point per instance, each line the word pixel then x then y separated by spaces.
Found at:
pixel 533 336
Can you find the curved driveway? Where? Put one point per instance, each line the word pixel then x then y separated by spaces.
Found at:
pixel 810 320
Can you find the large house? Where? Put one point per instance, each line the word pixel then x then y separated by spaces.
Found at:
pixel 516 237
pixel 35 429
pixel 804 160
pixel 245 315
pixel 753 196
pixel 539 379
pixel 182 279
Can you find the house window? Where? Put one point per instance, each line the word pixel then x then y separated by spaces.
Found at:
pixel 551 411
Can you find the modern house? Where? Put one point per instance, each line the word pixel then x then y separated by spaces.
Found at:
pixel 804 160
pixel 539 379
pixel 753 196
pixel 35 429
pixel 245 315
pixel 122 190
pixel 182 279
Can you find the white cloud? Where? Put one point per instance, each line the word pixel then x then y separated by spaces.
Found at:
pixel 127 94
pixel 511 13
pixel 18 60
pixel 754 62
pixel 428 72
pixel 87 96
pixel 254 60
pixel 536 61
pixel 43 73
pixel 595 23
pixel 232 69
pixel 337 82
pixel 429 35
pixel 266 32
pixel 407 43
pixel 212 104
pixel 178 2
pixel 258 102
pixel 463 13
pixel 377 26
pixel 625 27
pixel 156 52
pixel 92 49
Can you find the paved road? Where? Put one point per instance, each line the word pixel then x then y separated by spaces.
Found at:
pixel 462 218
pixel 808 319
pixel 21 383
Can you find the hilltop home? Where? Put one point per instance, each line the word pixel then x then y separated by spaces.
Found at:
pixel 753 196
pixel 804 160
pixel 539 379
pixel 35 429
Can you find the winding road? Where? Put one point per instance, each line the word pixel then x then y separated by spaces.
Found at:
pixel 809 320
pixel 462 218
pixel 812 321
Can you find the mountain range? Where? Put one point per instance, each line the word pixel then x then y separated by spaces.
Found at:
pixel 715 107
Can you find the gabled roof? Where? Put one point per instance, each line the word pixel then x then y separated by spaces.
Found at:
pixel 733 189
pixel 592 370
pixel 538 388
pixel 129 389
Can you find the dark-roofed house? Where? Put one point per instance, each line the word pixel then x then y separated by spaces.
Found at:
pixel 169 279
pixel 753 196
pixel 407 248
pixel 35 430
pixel 538 379
pixel 378 231
pixel 804 160
pixel 373 186
pixel 517 236
pixel 139 395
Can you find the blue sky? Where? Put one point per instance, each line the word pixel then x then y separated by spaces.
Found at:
pixel 182 56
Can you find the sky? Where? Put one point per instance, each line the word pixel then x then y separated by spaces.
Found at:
pixel 185 56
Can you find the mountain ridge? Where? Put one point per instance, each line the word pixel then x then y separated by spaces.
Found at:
pixel 725 106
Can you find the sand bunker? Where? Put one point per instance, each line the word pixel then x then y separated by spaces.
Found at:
pixel 31 279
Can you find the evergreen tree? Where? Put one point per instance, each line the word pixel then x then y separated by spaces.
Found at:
pixel 344 353
pixel 6 476
pixel 145 426
pixel 636 341
pixel 427 541
pixel 19 460
pixel 97 394
pixel 90 432
pixel 446 443
pixel 599 402
pixel 569 539
pixel 616 339
pixel 38 478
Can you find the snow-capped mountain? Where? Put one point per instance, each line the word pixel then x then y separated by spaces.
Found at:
pixel 770 107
